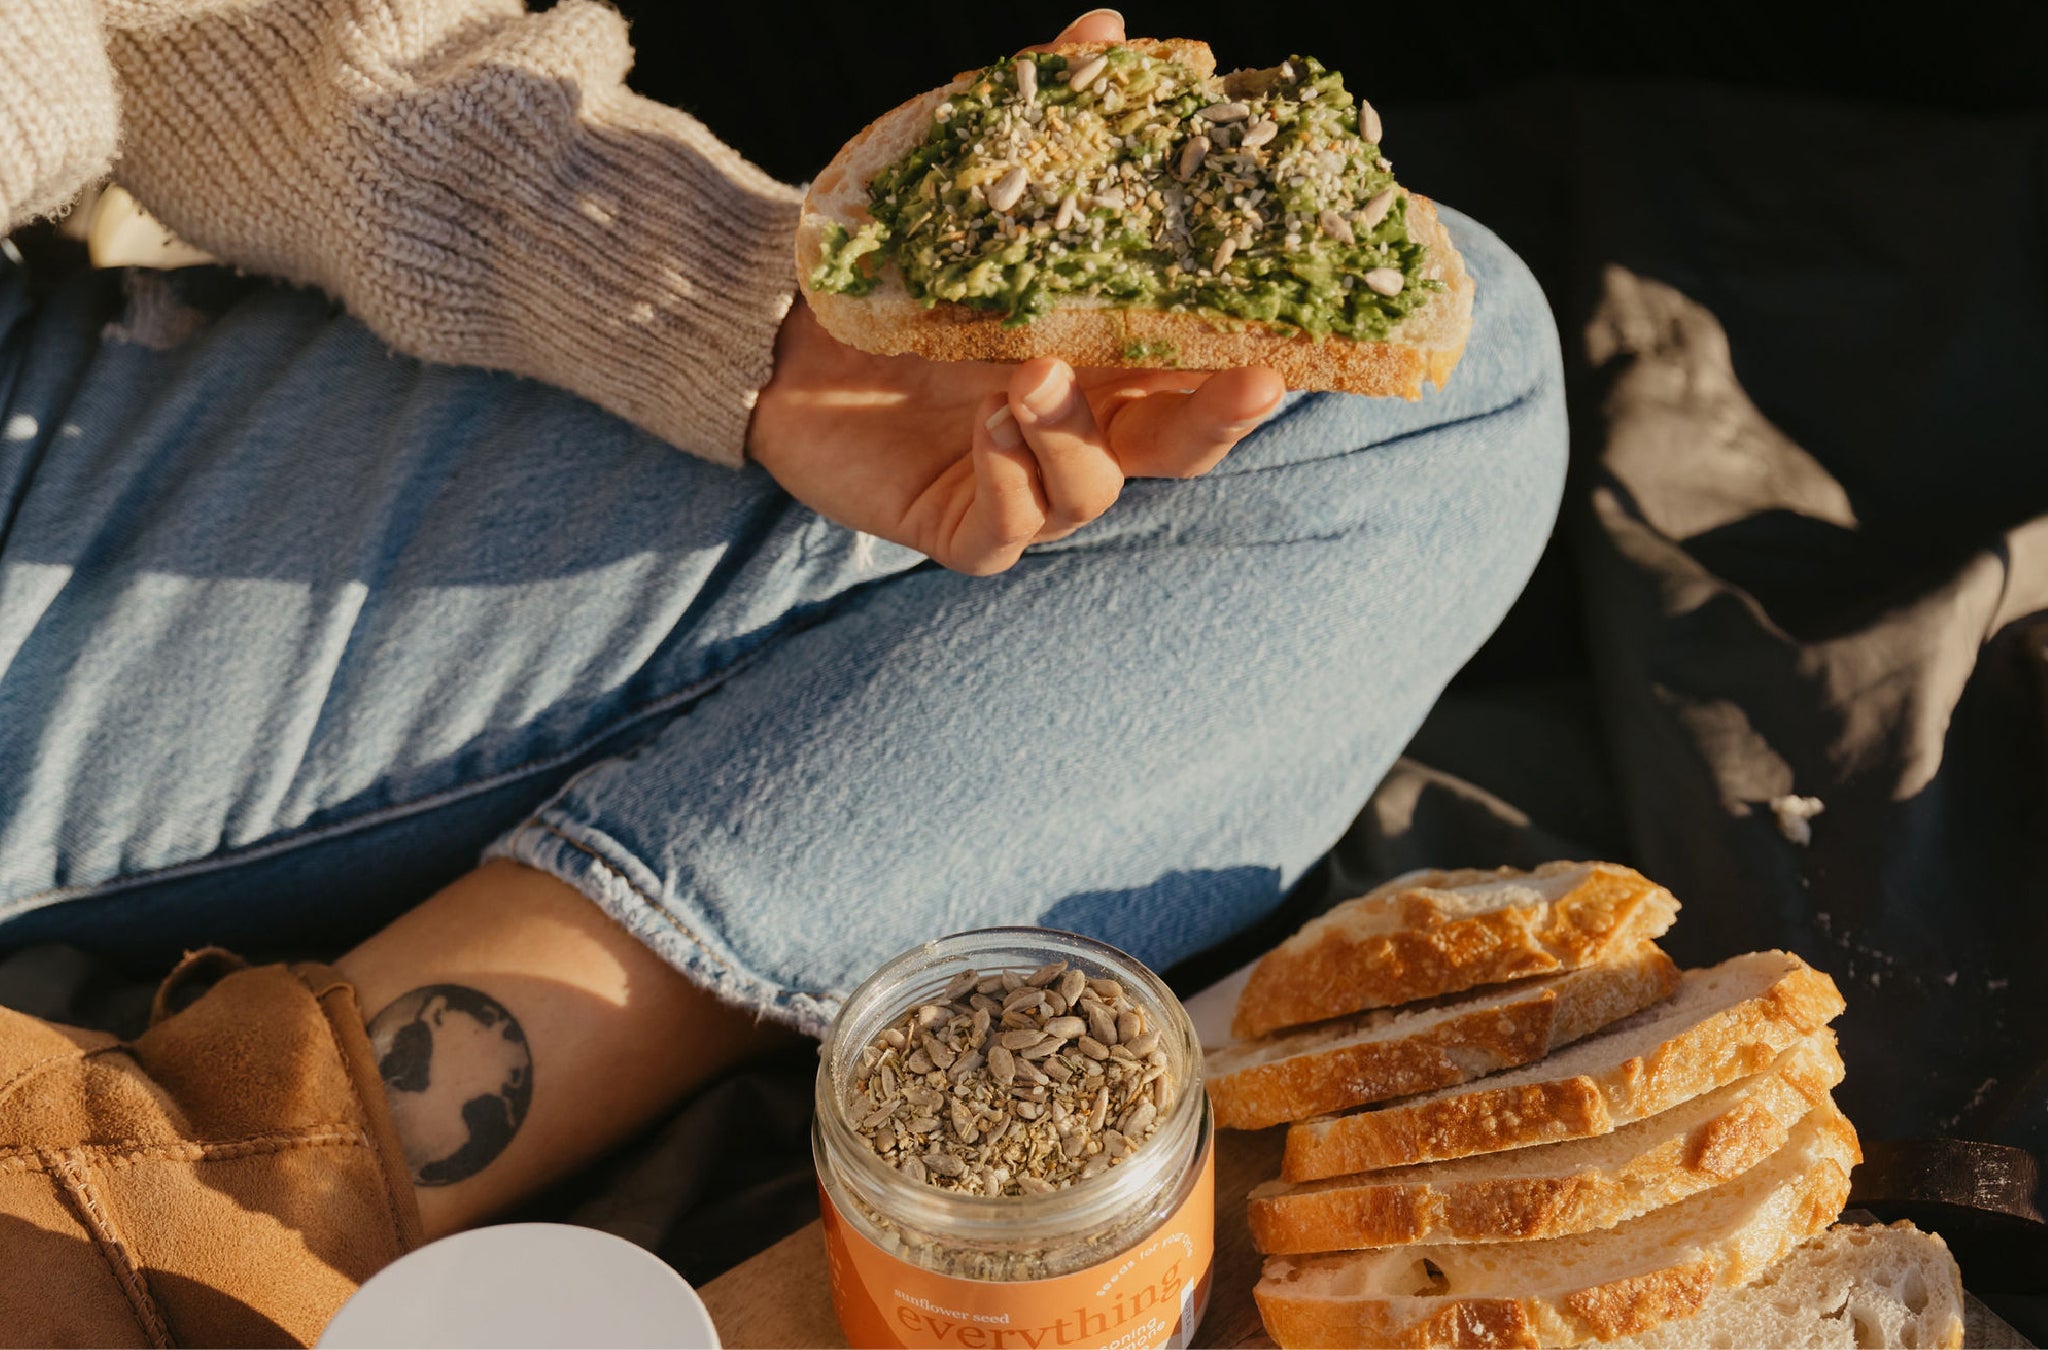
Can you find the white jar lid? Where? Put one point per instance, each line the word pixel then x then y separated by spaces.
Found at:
pixel 519 1285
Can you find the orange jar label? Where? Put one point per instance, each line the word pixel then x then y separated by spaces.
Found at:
pixel 1152 1295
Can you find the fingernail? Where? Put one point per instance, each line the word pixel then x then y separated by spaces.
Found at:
pixel 1050 397
pixel 1114 14
pixel 1002 429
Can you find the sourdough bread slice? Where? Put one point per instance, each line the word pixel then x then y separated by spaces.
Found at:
pixel 1393 1052
pixel 1564 1291
pixel 1854 1287
pixel 1723 1023
pixel 1554 1189
pixel 1092 332
pixel 1432 933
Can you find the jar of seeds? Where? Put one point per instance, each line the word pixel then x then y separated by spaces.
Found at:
pixel 1014 1150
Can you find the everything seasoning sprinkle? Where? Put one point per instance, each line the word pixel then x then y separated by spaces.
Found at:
pixel 1013 1084
pixel 1129 179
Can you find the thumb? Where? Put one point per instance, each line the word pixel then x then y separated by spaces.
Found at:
pixel 1097 25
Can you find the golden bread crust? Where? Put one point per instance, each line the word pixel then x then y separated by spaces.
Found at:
pixel 1298 1075
pixel 1333 1300
pixel 1548 1196
pixel 1730 1043
pixel 1400 942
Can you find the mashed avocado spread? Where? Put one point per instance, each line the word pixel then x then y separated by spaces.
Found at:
pixel 1125 178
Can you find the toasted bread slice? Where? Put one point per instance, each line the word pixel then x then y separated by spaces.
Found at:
pixel 1854 1287
pixel 1091 332
pixel 1564 1291
pixel 1723 1023
pixel 1553 1189
pixel 1394 1052
pixel 1432 933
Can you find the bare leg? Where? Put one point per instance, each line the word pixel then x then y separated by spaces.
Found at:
pixel 521 1033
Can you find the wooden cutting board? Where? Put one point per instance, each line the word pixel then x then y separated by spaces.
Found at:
pixel 783 1297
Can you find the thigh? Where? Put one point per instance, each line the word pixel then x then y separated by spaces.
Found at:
pixel 1145 733
pixel 266 586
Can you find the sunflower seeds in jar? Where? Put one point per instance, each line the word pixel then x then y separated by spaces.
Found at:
pixel 1024 1091
pixel 1011 1126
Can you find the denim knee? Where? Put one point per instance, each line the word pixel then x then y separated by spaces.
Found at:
pixel 1490 443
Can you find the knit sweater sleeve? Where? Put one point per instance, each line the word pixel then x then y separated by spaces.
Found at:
pixel 475 183
pixel 58 109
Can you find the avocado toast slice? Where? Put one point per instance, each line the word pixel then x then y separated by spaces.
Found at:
pixel 1122 205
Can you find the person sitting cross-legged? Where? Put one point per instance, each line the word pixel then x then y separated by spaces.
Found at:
pixel 537 613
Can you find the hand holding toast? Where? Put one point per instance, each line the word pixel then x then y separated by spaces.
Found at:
pixel 971 462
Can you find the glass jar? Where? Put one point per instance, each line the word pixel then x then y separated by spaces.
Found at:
pixel 1121 1259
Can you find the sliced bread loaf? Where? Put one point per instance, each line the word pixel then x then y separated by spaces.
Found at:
pixel 1427 934
pixel 1564 1291
pixel 1553 1189
pixel 1854 1287
pixel 1723 1023
pixel 1372 1056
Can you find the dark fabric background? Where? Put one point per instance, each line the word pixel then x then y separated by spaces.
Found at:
pixel 789 83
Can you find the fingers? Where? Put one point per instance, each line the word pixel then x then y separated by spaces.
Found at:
pixel 1042 467
pixel 1097 25
pixel 1080 477
pixel 1008 508
pixel 1176 435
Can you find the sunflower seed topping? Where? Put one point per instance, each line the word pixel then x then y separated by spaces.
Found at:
pixel 1015 1084
pixel 1084 75
pixel 1375 209
pixel 1009 189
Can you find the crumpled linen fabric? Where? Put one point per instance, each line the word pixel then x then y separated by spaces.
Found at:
pixel 1806 557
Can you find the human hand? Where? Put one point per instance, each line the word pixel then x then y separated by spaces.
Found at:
pixel 969 463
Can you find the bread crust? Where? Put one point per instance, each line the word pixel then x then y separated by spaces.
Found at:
pixel 1732 1042
pixel 1801 1205
pixel 1424 348
pixel 1331 1067
pixel 1401 942
pixel 1548 1197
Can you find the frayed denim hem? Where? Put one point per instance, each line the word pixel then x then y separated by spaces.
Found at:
pixel 624 889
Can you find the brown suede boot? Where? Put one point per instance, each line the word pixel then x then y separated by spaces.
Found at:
pixel 227 1178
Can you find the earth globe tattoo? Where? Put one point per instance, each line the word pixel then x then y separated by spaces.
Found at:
pixel 458 1075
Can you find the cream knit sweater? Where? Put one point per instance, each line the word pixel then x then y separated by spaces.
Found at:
pixel 474 182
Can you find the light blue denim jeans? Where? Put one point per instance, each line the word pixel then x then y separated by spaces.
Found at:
pixel 293 630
